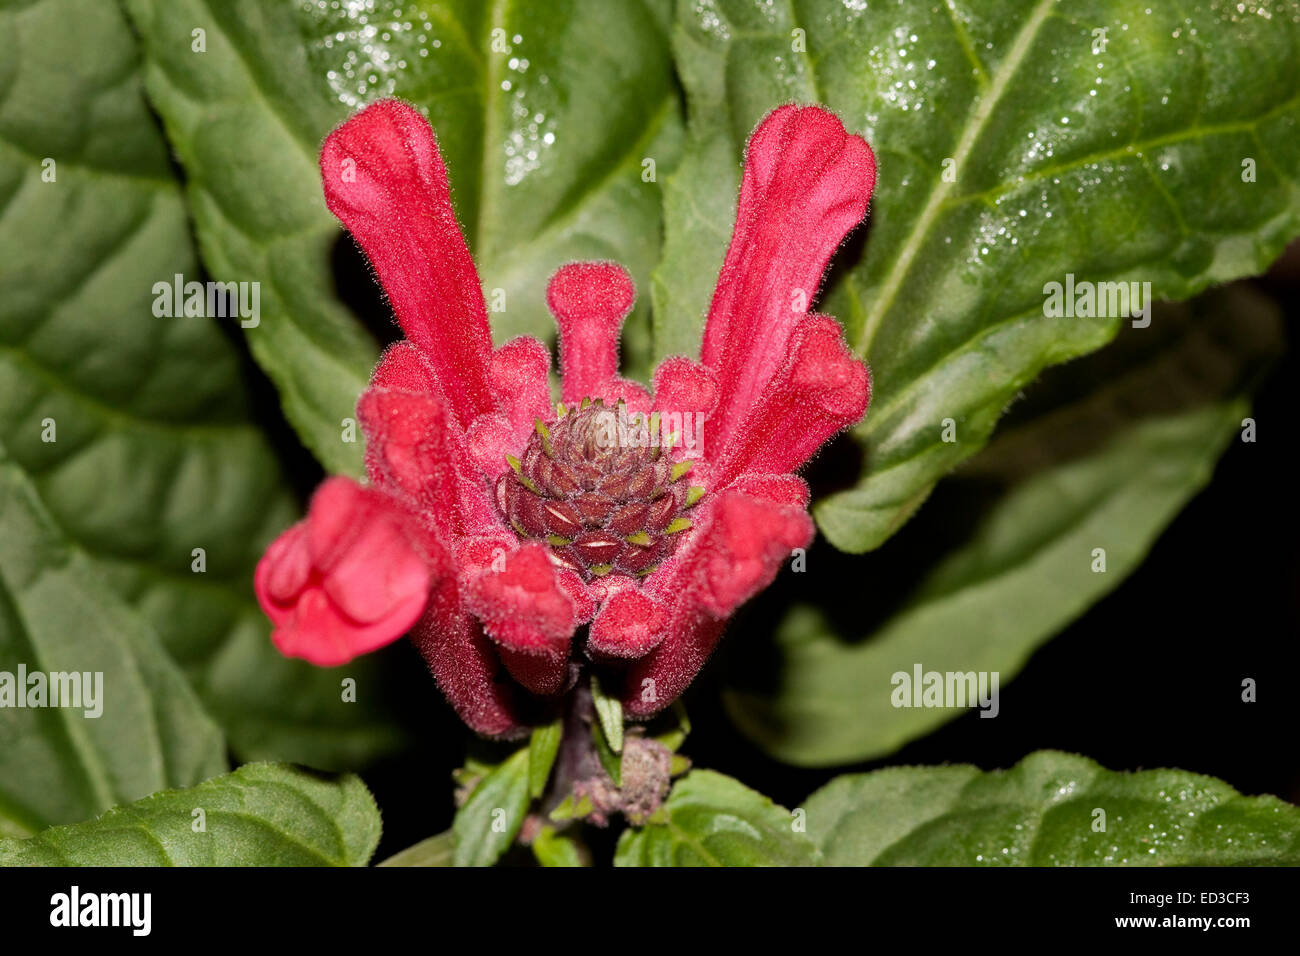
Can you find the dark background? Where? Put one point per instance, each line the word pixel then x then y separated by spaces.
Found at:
pixel 1148 677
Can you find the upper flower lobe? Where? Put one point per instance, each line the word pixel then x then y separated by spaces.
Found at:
pixel 496 524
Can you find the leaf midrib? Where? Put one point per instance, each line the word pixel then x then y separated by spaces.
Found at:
pixel 978 117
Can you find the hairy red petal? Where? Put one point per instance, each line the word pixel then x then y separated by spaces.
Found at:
pixel 590 300
pixel 733 555
pixel 385 180
pixel 402 368
pixel 352 577
pixel 819 390
pixel 481 553
pixel 584 604
pixel 684 386
pixel 629 625
pixel 806 184
pixel 685 395
pixel 414 448
pixel 789 490
pixel 659 678
pixel 490 439
pixel 527 612
pixel 466 665
pixel 288 567
pixel 519 382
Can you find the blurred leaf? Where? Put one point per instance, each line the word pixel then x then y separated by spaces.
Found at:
pixel 607 731
pixel 544 136
pixel 609 712
pixel 1103 455
pixel 559 849
pixel 260 815
pixel 542 748
pixel 571 808
pixel 1120 165
pixel 60 764
pixel 156 454
pixel 1044 812
pixel 487 824
pixel 439 850
pixel 610 762
pixel 712 820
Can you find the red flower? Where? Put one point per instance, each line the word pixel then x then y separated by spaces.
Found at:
pixel 495 523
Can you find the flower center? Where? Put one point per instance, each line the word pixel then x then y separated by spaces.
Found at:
pixel 599 487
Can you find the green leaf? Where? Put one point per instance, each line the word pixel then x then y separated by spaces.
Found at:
pixel 609 711
pixel 438 850
pixel 559 849
pixel 1102 455
pixel 542 748
pixel 607 731
pixel 60 764
pixel 156 453
pixel 571 809
pixel 544 136
pixel 712 820
pixel 610 761
pixel 260 815
pixel 275 708
pixel 487 824
pixel 1044 812
pixel 1124 165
